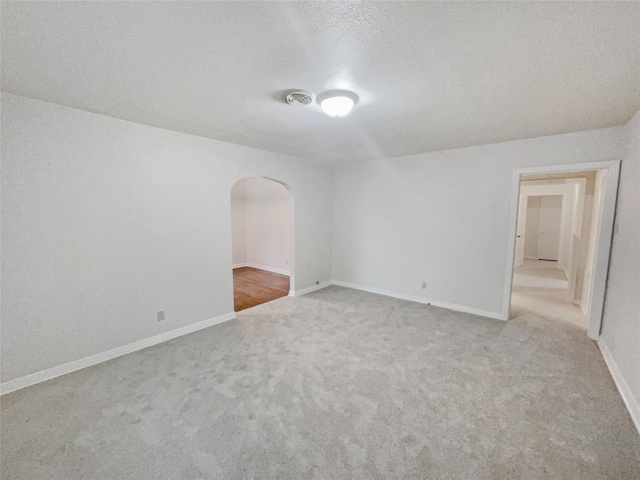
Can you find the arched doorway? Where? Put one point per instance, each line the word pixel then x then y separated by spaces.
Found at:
pixel 262 241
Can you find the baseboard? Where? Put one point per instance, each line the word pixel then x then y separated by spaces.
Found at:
pixel 310 289
pixel 54 372
pixel 411 298
pixel 625 392
pixel 263 267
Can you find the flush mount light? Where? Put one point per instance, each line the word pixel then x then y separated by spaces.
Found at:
pixel 337 103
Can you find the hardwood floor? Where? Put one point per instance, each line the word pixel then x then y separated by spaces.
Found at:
pixel 252 287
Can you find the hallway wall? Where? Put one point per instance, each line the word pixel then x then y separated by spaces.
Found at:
pixel 532 227
pixel 621 323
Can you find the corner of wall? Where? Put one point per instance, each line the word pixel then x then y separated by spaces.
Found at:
pixel 632 404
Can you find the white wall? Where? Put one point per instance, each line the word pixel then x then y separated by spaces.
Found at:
pixel 531 231
pixel 268 217
pixel 443 217
pixel 104 222
pixel 238 224
pixel 264 239
pixel 585 233
pixel 621 322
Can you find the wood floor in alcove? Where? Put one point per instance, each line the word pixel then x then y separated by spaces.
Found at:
pixel 252 287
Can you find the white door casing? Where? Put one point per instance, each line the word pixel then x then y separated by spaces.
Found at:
pixel 576 239
pixel 604 235
pixel 522 222
pixel 598 207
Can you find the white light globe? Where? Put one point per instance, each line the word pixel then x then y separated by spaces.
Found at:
pixel 337 106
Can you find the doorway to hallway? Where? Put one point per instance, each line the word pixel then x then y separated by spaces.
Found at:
pixel 570 287
pixel 551 221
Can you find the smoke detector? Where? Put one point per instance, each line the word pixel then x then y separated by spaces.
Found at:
pixel 300 98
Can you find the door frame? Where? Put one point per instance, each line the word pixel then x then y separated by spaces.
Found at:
pixel 523 223
pixel 566 191
pixel 604 236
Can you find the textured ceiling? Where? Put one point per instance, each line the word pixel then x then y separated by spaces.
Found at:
pixel 430 75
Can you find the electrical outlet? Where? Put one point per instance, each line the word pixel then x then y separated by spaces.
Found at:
pixel 424 285
pixel 161 316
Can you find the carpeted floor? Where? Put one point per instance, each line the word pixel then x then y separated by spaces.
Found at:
pixel 537 273
pixel 334 384
pixel 539 288
pixel 542 269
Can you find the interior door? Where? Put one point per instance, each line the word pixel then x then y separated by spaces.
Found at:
pixel 520 226
pixel 549 233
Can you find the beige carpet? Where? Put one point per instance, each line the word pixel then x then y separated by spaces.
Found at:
pixel 541 268
pixel 334 384
pixel 540 288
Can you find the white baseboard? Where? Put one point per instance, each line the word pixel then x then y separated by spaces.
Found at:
pixel 263 267
pixel 623 387
pixel 411 298
pixel 54 372
pixel 312 288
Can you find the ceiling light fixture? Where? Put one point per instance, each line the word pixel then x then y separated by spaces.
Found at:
pixel 337 103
